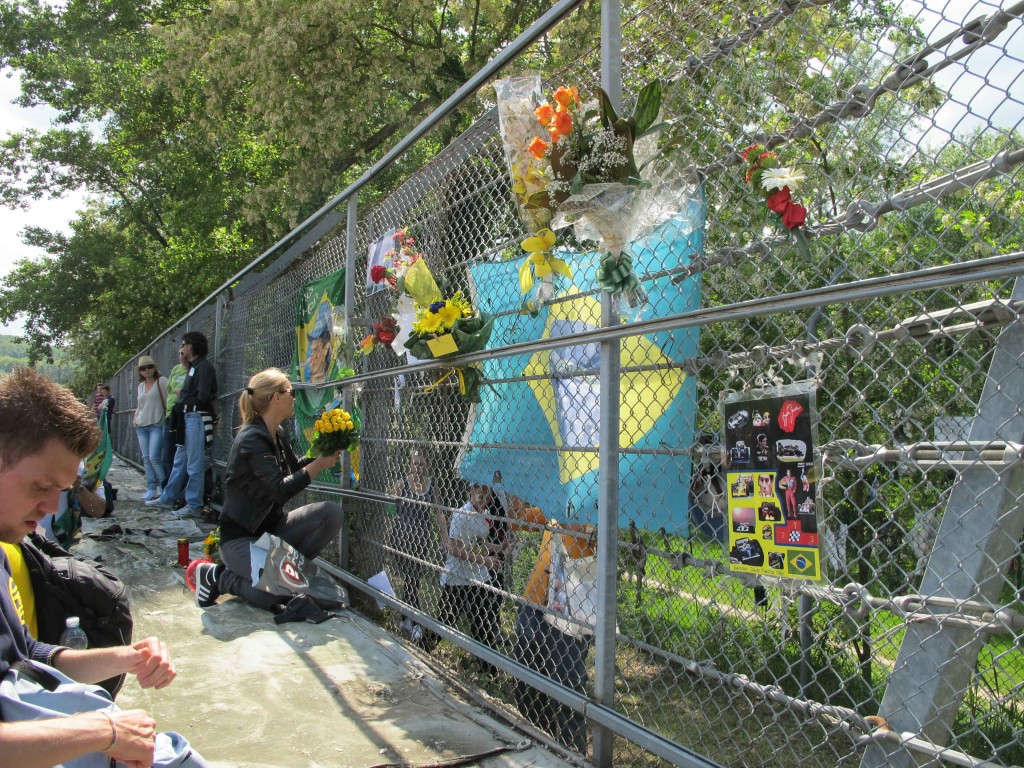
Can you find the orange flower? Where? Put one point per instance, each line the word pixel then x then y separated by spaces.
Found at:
pixel 563 122
pixel 566 96
pixel 538 147
pixel 545 112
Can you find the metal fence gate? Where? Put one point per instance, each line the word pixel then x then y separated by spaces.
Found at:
pixel 902 308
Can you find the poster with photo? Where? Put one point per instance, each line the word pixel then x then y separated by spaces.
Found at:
pixel 772 479
pixel 378 257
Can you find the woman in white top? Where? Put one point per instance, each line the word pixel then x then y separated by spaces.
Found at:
pixel 149 423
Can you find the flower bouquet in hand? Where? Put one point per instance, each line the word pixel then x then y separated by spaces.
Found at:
pixel 335 430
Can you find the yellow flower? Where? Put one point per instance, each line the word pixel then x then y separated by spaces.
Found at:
pixel 429 323
pixel 448 314
pixel 458 300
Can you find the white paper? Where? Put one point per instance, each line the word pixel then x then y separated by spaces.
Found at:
pixel 380 581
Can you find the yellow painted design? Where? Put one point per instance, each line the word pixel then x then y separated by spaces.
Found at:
pixel 644 395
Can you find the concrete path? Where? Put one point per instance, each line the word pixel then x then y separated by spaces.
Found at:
pixel 253 694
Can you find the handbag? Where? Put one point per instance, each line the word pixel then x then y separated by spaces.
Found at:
pixel 34 691
pixel 280 569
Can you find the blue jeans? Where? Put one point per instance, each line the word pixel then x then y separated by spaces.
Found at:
pixel 151 439
pixel 188 459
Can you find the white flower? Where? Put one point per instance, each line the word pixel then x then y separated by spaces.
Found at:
pixel 777 178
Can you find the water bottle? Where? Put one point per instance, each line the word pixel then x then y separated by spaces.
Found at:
pixel 74 636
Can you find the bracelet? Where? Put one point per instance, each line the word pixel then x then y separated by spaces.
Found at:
pixel 113 730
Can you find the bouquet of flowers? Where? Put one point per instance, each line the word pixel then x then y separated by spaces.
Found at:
pixel 384 332
pixel 402 257
pixel 595 181
pixel 777 183
pixel 449 327
pixel 211 545
pixel 584 160
pixel 530 171
pixel 335 430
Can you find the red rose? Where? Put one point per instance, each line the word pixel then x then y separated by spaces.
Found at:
pixel 794 216
pixel 378 273
pixel 385 338
pixel 779 201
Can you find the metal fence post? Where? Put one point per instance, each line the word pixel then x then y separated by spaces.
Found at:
pixel 977 537
pixel 608 457
pixel 351 227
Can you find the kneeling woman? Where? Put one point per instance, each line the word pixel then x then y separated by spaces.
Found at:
pixel 262 475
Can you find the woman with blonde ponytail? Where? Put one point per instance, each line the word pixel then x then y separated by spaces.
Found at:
pixel 263 473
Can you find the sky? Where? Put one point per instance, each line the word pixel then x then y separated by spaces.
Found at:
pixel 973 97
pixel 52 214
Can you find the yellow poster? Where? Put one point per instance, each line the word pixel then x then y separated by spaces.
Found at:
pixel 772 482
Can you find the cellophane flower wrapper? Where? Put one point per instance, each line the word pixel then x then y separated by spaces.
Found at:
pixel 517 99
pixel 616 214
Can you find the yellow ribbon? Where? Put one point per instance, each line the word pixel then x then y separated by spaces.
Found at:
pixel 443 379
pixel 540 259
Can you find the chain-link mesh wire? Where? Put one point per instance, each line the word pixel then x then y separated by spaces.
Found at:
pixel 897 298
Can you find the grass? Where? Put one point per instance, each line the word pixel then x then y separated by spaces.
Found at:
pixel 714 622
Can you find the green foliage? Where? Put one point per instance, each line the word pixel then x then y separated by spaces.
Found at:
pixel 14 353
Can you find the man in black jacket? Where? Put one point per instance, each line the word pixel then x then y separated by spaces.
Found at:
pixel 196 405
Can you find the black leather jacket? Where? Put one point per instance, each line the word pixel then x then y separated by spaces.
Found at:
pixel 263 473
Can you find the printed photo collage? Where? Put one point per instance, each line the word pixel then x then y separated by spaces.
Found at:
pixel 771 479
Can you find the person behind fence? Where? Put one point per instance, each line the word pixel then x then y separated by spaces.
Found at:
pixel 413 533
pixel 196 402
pixel 149 424
pixel 470 570
pixel 46 717
pixel 263 473
pixel 548 642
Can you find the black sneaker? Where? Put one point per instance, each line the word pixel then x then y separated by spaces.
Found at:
pixel 206 585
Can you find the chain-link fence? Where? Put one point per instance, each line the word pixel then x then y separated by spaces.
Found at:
pixel 677 521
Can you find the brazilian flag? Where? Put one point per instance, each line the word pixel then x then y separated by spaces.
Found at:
pixel 802 564
pixel 539 418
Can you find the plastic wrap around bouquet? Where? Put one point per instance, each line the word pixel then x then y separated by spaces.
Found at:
pixel 576 166
pixel 335 430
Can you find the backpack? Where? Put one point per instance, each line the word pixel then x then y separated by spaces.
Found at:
pixel 65 585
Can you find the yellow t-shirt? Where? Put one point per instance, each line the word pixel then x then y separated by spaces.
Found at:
pixel 25 600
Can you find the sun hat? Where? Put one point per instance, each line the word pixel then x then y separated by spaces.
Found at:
pixel 146 360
